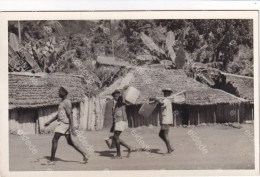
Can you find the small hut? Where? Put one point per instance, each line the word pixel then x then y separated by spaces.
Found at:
pixel 34 100
pixel 244 85
pixel 245 89
pixel 203 104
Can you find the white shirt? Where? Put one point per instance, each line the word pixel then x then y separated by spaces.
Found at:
pixel 166 108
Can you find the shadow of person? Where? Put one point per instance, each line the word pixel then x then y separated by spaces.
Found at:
pixel 58 159
pixel 106 153
pixel 154 151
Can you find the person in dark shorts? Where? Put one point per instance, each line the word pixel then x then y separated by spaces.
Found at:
pixel 167 118
pixel 65 125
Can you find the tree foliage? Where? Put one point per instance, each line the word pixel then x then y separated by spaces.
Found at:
pixel 206 41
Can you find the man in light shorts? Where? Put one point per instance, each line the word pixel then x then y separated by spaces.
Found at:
pixel 65 125
pixel 167 118
pixel 119 122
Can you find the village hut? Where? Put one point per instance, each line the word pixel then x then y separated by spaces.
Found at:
pixel 243 84
pixel 245 89
pixel 33 100
pixel 202 105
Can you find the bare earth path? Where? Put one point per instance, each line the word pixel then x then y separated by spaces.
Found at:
pixel 228 148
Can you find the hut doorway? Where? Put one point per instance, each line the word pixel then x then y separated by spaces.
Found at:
pixel 180 114
pixel 185 115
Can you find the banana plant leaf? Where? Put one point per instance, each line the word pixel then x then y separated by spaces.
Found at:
pixel 150 43
pixel 169 45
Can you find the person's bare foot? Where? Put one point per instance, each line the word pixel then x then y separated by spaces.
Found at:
pixel 129 152
pixel 85 160
pixel 132 150
pixel 171 150
pixel 169 153
pixel 117 157
pixel 48 162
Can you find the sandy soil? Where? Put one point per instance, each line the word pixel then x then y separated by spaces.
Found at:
pixel 228 148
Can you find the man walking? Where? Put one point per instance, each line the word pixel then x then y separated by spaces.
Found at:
pixel 167 118
pixel 119 122
pixel 65 125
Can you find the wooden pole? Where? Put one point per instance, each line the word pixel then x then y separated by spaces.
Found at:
pixel 113 48
pixel 19 31
pixel 112 40
pixel 158 117
pixel 198 117
pixel 215 118
pixel 238 117
pixel 175 120
pixel 37 125
pixel 132 117
pixel 252 113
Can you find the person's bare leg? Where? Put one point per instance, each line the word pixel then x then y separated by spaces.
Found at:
pixel 108 143
pixel 124 144
pixel 161 135
pixel 129 148
pixel 117 142
pixel 55 140
pixel 164 136
pixel 77 148
pixel 167 141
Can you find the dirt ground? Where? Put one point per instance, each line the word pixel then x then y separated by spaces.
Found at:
pixel 228 148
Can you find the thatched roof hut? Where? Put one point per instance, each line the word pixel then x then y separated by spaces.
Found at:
pixel 28 90
pixel 202 105
pixel 34 100
pixel 244 85
pixel 150 82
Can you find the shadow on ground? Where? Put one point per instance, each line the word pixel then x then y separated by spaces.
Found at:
pixel 106 153
pixel 59 159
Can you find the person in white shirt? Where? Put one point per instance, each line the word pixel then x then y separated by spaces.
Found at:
pixel 166 118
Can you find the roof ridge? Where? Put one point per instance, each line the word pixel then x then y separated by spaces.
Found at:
pixel 235 75
pixel 41 74
pixel 27 74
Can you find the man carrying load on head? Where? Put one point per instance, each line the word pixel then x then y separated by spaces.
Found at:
pixel 119 122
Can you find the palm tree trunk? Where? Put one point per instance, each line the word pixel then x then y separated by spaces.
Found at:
pixel 19 31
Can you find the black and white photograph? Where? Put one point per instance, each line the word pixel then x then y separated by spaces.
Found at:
pixel 113 94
